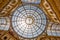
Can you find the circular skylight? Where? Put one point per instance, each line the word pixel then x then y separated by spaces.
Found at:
pixel 28 21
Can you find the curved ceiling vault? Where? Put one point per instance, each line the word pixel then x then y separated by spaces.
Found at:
pixel 29 20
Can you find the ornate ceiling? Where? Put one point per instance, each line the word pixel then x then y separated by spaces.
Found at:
pixel 29 20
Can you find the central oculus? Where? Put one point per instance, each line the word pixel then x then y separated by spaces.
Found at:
pixel 28 21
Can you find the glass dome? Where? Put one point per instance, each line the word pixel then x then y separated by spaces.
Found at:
pixel 28 21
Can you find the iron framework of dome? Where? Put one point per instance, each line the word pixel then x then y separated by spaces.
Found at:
pixel 28 21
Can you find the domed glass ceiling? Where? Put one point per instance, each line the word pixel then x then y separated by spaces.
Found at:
pixel 28 21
